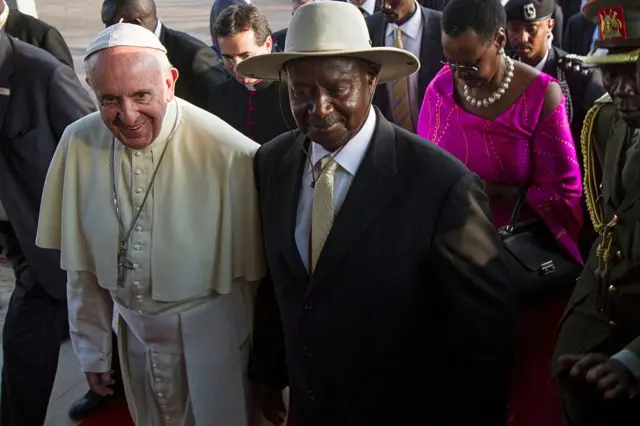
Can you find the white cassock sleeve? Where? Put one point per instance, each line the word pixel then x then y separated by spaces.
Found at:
pixel 90 321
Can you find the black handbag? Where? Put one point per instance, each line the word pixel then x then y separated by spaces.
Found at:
pixel 539 267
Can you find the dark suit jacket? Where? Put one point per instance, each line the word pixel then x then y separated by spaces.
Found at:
pixel 438 5
pixel 558 16
pixel 578 35
pixel 199 67
pixel 410 303
pixel 430 54
pixel 376 7
pixel 38 33
pixel 570 8
pixel 279 38
pixel 45 97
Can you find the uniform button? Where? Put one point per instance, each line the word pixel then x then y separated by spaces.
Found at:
pixel 612 324
pixel 308 351
pixel 309 306
pixel 600 187
pixel 137 172
pixel 612 289
pixel 620 255
pixel 615 219
pixel 312 395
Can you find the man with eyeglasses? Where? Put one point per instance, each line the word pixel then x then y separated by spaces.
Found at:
pixel 258 109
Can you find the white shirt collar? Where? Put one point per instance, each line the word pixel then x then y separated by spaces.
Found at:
pixel 158 29
pixel 350 157
pixel 411 28
pixel 4 16
pixel 543 62
pixel 368 6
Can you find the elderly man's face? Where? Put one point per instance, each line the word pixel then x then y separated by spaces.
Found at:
pixel 330 98
pixel 621 83
pixel 133 91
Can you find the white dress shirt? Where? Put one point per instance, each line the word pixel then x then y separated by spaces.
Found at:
pixel 411 41
pixel 368 6
pixel 158 29
pixel 543 62
pixel 349 160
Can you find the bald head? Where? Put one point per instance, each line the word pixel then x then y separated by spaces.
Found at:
pixel 138 12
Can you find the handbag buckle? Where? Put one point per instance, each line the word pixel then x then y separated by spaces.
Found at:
pixel 547 268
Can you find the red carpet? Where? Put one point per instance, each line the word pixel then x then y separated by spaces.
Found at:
pixel 116 414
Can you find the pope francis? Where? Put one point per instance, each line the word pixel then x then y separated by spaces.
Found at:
pixel 153 206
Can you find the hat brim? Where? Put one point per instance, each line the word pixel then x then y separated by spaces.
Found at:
pixel 612 58
pixel 394 63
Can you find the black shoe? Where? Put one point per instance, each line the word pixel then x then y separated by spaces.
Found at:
pixel 88 404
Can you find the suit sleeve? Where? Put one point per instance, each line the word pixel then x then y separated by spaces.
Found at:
pixel 90 321
pixel 558 16
pixel 68 101
pixel 54 43
pixel 477 308
pixel 267 364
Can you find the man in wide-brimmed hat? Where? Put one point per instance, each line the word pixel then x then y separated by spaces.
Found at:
pixel 598 350
pixel 388 294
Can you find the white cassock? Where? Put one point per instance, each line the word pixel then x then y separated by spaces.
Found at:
pixel 186 306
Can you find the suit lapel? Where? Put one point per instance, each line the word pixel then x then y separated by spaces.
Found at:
pixel 614 147
pixel 430 36
pixel 7 68
pixel 286 197
pixel 371 191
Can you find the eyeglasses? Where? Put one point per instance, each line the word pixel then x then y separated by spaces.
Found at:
pixel 463 68
pixel 235 60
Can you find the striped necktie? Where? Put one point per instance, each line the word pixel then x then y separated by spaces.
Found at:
pixel 322 208
pixel 400 102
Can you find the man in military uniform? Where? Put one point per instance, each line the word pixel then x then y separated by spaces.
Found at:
pixel 597 359
pixel 529 28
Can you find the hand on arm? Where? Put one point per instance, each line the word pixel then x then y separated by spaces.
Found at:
pixel 609 374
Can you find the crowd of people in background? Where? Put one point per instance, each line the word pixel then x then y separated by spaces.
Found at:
pixel 392 212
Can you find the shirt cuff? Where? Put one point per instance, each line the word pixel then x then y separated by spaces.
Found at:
pixel 629 360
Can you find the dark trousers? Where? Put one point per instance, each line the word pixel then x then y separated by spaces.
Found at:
pixel 34 328
pixel 583 405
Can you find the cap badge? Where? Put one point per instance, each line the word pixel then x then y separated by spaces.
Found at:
pixel 612 23
pixel 529 11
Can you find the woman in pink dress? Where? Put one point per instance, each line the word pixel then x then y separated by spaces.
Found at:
pixel 507 122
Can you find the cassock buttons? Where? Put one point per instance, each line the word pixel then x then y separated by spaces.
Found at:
pixel 137 172
pixel 138 228
pixel 139 190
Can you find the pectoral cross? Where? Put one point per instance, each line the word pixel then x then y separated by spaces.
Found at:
pixel 123 262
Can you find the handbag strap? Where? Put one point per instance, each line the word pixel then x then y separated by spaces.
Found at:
pixel 520 199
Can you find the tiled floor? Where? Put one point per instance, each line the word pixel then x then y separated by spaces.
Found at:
pixel 79 21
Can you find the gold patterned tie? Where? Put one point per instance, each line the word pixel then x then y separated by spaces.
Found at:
pixel 322 208
pixel 400 101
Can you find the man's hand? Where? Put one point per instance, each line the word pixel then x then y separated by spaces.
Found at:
pixel 271 404
pixel 609 375
pixel 100 382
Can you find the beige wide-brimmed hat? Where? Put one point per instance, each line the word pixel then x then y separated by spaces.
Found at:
pixel 324 29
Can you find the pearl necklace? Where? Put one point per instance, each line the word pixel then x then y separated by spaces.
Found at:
pixel 504 86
